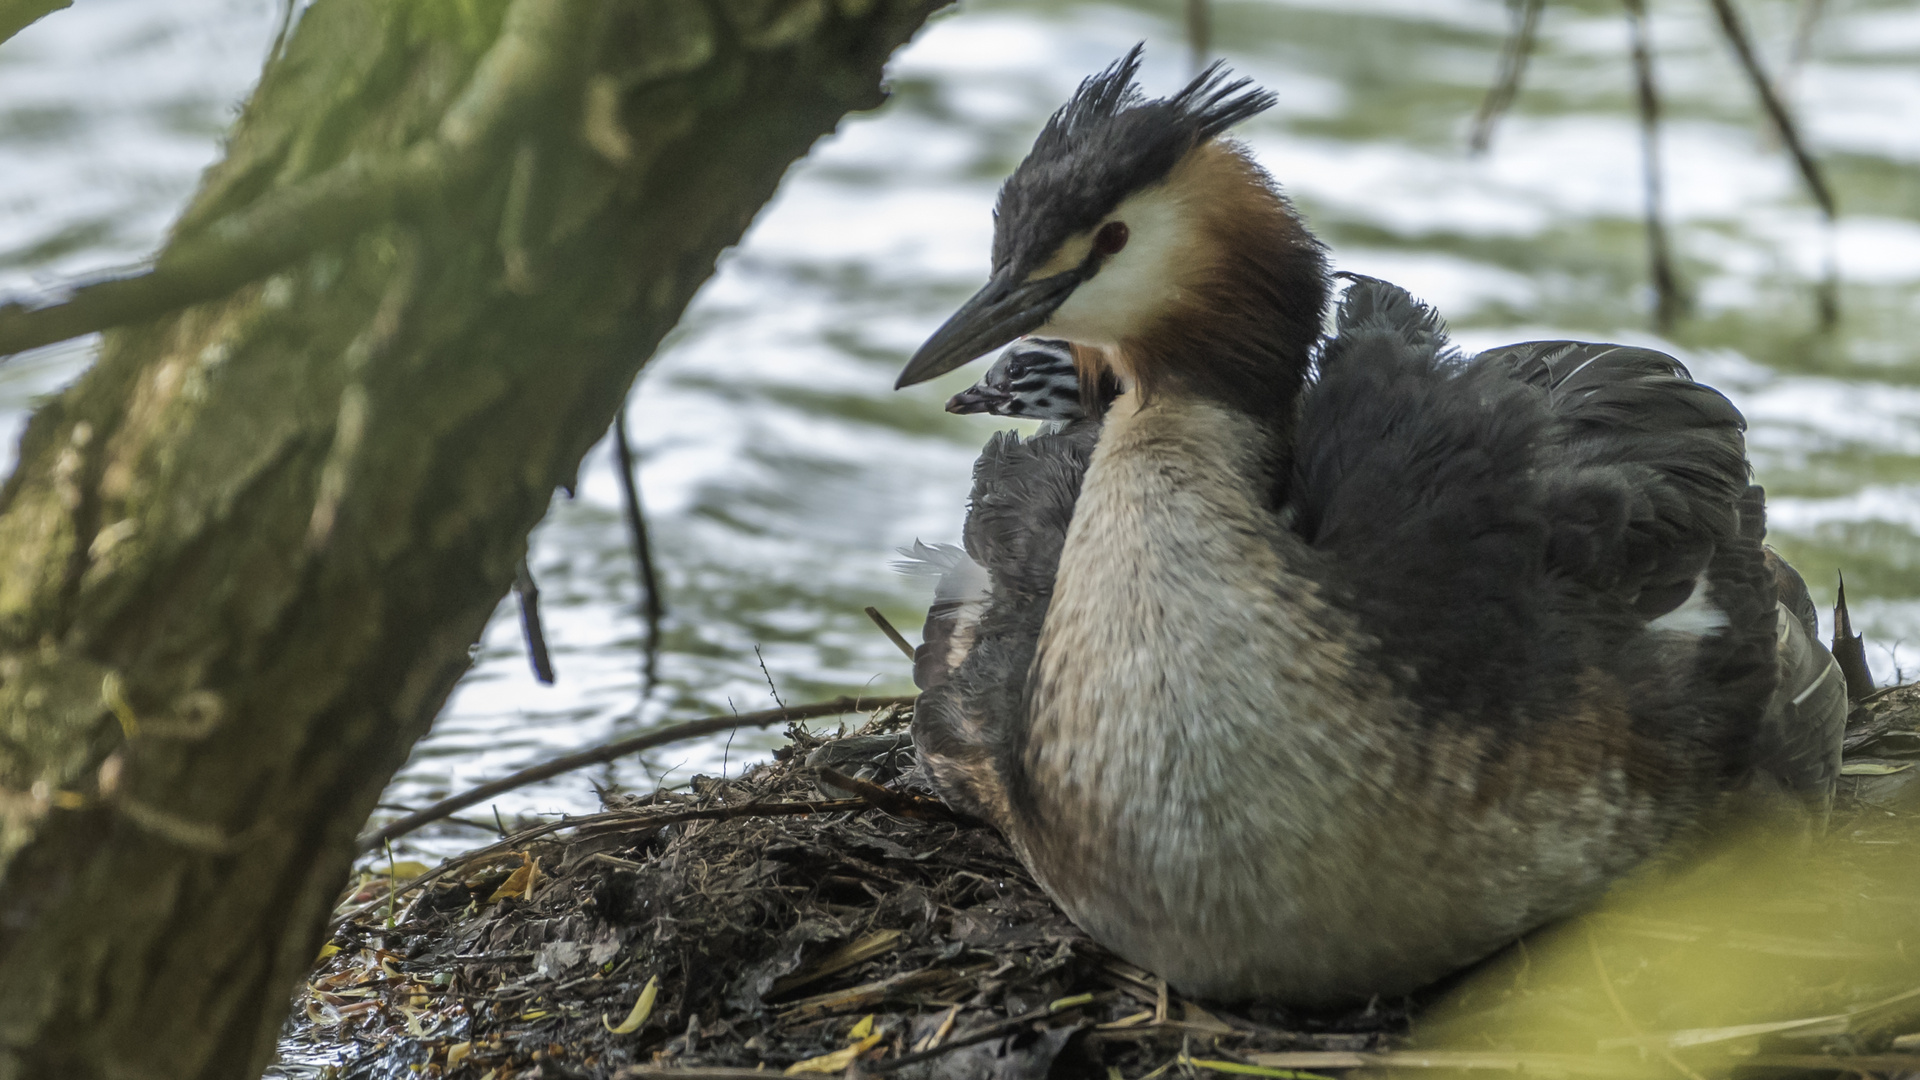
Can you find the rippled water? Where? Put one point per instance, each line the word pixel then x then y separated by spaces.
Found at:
pixel 779 470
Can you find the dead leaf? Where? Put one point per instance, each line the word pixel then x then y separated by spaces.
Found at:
pixel 516 884
pixel 837 1061
pixel 1874 768
pixel 642 1009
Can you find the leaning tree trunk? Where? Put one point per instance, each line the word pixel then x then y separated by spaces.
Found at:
pixel 243 559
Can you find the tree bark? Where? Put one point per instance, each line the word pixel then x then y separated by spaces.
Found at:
pixel 17 15
pixel 243 558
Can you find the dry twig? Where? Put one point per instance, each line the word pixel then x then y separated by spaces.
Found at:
pixel 886 627
pixel 692 729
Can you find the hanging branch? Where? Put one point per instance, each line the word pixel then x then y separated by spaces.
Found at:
pixel 651 608
pixel 1783 123
pixel 1513 66
pixel 1668 300
pixel 1828 294
pixel 528 594
pixel 1199 33
pixel 1803 31
pixel 333 207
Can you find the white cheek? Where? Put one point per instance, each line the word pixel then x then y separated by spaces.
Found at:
pixel 1135 287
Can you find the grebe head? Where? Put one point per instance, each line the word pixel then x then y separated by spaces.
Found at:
pixel 1160 250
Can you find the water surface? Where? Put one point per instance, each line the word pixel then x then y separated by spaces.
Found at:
pixel 779 470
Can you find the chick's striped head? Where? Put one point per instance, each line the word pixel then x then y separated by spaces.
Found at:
pixel 1033 379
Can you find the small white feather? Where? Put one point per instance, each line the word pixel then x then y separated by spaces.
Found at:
pixel 1697 616
pixel 956 576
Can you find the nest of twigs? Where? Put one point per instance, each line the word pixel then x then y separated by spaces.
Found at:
pixel 763 924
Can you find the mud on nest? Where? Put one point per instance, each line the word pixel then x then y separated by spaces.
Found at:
pixel 782 927
pixel 771 938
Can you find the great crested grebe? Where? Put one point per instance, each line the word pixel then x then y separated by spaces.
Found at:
pixel 1322 687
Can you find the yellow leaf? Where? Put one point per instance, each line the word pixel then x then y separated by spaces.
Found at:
pixel 406 869
pixel 837 1061
pixel 862 1029
pixel 457 1053
pixel 1874 768
pixel 325 951
pixel 533 1014
pixel 516 883
pixel 642 1009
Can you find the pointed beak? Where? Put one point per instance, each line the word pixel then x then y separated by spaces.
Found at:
pixel 998 313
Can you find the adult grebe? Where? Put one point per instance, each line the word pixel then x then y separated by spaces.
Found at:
pixel 1318 690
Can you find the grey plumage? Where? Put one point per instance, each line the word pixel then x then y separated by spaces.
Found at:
pixel 973 660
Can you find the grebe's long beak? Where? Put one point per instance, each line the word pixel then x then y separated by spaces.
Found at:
pixel 1001 311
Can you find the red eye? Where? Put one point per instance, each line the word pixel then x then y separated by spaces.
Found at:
pixel 1111 238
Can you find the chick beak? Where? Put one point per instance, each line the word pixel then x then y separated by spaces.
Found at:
pixel 1000 312
pixel 979 398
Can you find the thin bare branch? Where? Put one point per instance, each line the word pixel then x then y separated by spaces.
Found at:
pixel 531 629
pixel 1803 33
pixel 1199 33
pixel 651 608
pixel 1513 67
pixel 1668 299
pixel 692 729
pixel 1776 108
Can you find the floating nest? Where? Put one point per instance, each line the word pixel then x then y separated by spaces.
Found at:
pixel 818 916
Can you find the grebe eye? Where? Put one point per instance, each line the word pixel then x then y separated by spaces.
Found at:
pixel 1111 238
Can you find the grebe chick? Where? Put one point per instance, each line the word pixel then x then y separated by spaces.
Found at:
pixel 1320 690
pixel 1034 379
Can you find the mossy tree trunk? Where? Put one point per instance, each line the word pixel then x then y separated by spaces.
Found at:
pixel 243 559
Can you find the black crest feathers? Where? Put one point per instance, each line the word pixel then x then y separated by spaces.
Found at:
pixel 1106 143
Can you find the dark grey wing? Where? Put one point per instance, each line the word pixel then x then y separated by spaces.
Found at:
pixel 1648 468
pixel 1637 424
pixel 1792 590
pixel 1524 529
pixel 1798 743
pixel 971 710
pixel 1806 719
